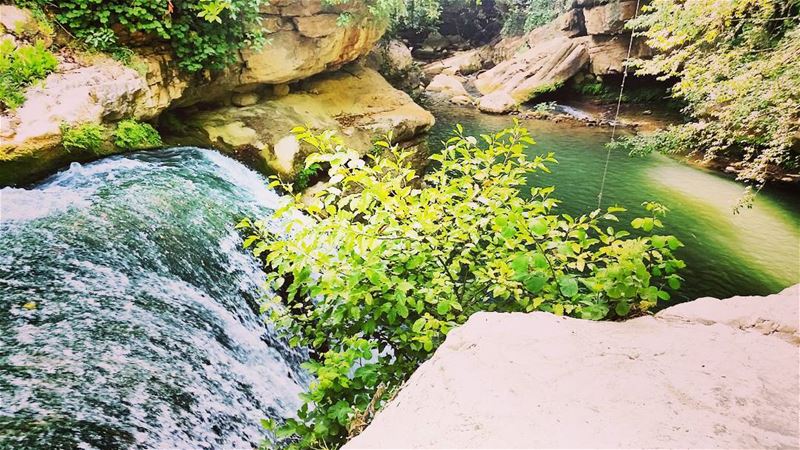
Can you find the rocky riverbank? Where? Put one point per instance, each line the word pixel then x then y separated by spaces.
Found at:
pixel 703 374
pixel 304 40
pixel 588 41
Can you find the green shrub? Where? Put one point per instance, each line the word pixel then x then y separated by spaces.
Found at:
pixel 380 266
pixel 86 137
pixel 20 67
pixel 204 34
pixel 133 135
pixel 305 175
pixel 592 87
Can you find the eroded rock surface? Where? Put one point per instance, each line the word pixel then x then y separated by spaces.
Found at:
pixel 704 374
pixel 357 103
pixel 304 40
pixel 540 69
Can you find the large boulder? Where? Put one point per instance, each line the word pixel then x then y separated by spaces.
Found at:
pixel 704 374
pixel 542 68
pixel 357 103
pixel 398 55
pixel 447 85
pixel 463 63
pixel 609 18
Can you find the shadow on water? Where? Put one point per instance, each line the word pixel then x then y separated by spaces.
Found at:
pixel 756 252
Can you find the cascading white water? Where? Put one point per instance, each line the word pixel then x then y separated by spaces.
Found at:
pixel 129 313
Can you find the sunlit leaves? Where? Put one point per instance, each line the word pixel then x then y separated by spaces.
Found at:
pixel 376 268
pixel 735 65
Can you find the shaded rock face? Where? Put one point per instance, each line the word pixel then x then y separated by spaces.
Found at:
pixel 357 103
pixel 704 374
pixel 304 40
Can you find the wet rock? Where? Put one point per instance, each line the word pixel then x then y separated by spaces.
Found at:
pixel 102 90
pixel 703 374
pixel 462 100
pixel 463 63
pixel 497 103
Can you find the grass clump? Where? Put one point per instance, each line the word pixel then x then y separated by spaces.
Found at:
pixel 134 135
pixel 85 137
pixel 21 66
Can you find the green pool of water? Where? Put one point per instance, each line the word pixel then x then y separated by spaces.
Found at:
pixel 756 252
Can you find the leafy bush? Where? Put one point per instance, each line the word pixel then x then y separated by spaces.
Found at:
pixel 134 135
pixel 304 176
pixel 545 107
pixel 20 67
pixel 204 34
pixel 736 62
pixel 376 269
pixel 591 86
pixel 86 137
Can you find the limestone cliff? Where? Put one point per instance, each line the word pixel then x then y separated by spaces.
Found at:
pixel 704 374
pixel 304 39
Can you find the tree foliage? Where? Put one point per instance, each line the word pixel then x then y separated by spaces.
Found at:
pixel 736 66
pixel 522 16
pixel 204 34
pixel 372 272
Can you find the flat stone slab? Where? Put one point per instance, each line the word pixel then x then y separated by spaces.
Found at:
pixel 704 374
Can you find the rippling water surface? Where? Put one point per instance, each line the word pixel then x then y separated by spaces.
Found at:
pixel 128 312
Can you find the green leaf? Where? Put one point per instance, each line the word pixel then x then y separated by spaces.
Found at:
pixel 402 310
pixel 540 261
pixel 535 283
pixel 569 286
pixel 622 309
pixel 539 226
pixel 520 263
pixel 418 324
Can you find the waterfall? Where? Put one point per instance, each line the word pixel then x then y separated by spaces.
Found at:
pixel 129 313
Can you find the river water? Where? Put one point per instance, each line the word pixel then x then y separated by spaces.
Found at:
pixel 756 252
pixel 128 311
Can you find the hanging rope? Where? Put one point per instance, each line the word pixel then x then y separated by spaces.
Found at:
pixel 616 115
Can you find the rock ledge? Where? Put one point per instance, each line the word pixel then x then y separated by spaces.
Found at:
pixel 703 374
